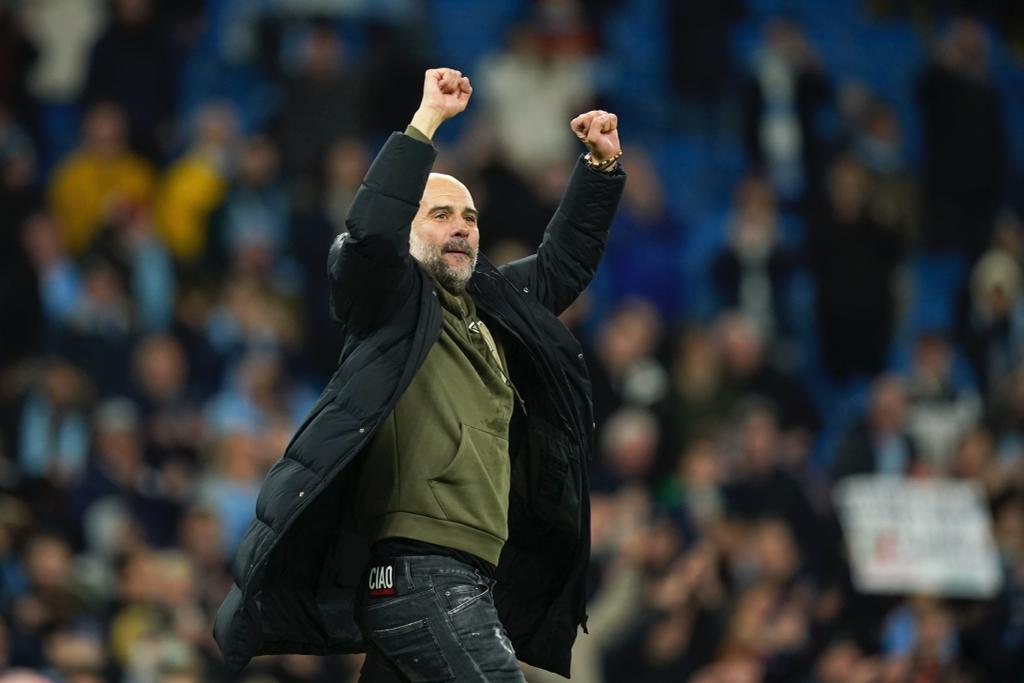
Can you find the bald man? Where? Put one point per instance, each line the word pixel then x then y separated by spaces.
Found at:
pixel 433 509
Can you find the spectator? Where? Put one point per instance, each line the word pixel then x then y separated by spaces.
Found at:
pixel 894 193
pixel 101 331
pixel 761 485
pixel 1007 417
pixel 195 185
pixel 545 58
pixel 17 55
pixel 231 485
pixel 881 443
pixel 117 469
pixel 64 32
pixel 699 399
pixel 133 66
pixel 172 425
pixel 19 166
pixel 130 244
pixel 964 141
pixel 854 261
pixel 254 229
pixel 51 437
pixel 645 243
pixel 59 281
pixel 313 232
pixel 626 371
pixel 750 373
pixel 781 99
pixel 701 60
pixel 629 443
pixel 939 411
pixel 993 328
pixel 753 270
pixel 319 105
pixel 48 601
pixel 101 176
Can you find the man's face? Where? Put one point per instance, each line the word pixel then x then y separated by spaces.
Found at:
pixel 444 236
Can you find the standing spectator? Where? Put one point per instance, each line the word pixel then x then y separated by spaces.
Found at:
pixel 17 55
pixel 313 232
pixel 881 443
pixel 320 104
pixel 964 141
pixel 64 31
pixel 134 67
pixel 545 58
pixel 19 283
pixel 854 261
pixel 643 250
pixel 878 145
pixel 701 67
pixel 101 176
pixel 752 271
pixel 781 99
pixel 195 185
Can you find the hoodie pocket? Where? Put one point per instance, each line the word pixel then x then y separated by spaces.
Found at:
pixel 472 489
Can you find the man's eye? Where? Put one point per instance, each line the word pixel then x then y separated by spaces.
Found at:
pixel 441 215
pixel 471 220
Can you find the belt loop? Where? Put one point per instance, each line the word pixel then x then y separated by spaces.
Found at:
pixel 407 571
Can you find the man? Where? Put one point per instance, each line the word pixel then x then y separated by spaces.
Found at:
pixel 433 508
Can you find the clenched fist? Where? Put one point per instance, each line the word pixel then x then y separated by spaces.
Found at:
pixel 446 93
pixel 599 131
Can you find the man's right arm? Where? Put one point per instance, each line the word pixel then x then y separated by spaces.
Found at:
pixel 369 266
pixel 368 263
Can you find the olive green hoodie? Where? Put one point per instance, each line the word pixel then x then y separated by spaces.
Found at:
pixel 438 468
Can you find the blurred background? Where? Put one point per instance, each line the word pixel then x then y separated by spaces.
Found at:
pixel 814 280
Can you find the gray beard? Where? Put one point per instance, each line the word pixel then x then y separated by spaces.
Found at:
pixel 446 276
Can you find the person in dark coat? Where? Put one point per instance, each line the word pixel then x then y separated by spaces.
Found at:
pixel 433 508
pixel 854 260
pixel 880 443
pixel 965 161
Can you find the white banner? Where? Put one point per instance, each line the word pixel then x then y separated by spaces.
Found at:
pixel 918 536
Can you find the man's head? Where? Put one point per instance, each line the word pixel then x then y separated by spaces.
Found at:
pixel 445 237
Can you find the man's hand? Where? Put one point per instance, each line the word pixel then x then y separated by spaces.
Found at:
pixel 599 131
pixel 445 94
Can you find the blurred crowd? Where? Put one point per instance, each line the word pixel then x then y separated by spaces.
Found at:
pixel 172 174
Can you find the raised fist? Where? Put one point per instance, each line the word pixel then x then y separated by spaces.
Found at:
pixel 599 131
pixel 445 92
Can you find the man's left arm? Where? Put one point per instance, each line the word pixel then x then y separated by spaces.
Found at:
pixel 577 234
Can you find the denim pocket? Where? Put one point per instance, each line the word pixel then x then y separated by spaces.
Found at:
pixel 458 597
pixel 414 649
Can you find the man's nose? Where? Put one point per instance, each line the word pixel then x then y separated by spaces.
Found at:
pixel 460 228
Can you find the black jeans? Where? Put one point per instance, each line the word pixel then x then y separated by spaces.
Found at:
pixel 432 618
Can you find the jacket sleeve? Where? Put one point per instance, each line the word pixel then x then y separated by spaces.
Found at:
pixel 574 240
pixel 369 266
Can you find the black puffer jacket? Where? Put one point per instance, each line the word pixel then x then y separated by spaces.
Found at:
pixel 297 569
